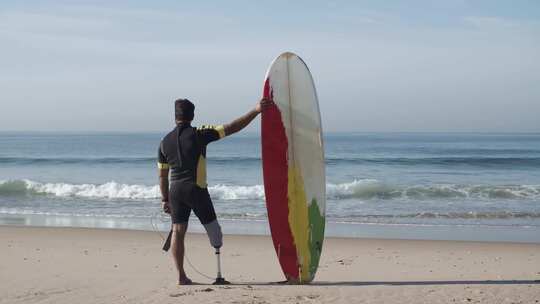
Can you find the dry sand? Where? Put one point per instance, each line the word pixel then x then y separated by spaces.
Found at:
pixel 72 265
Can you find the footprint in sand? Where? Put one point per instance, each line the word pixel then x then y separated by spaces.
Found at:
pixel 306 298
pixel 346 262
pixel 181 294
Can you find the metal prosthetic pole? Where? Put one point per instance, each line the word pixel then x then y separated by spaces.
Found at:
pixel 219 279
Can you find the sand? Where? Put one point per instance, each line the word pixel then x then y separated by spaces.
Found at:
pixel 76 265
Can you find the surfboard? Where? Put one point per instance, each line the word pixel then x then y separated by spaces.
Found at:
pixel 293 167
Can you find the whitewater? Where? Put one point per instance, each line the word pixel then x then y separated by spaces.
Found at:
pixel 361 189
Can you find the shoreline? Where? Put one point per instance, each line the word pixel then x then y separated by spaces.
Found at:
pixel 201 233
pixel 63 265
pixel 509 234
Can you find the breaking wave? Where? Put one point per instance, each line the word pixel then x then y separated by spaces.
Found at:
pixel 365 189
pixel 373 189
pixel 110 190
pixel 114 190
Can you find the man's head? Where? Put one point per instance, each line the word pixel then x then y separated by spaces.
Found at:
pixel 184 110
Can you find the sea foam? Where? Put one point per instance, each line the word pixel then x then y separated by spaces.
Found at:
pixel 364 189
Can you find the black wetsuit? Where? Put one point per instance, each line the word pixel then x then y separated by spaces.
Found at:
pixel 183 150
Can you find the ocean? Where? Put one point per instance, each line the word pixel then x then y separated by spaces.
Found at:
pixel 462 186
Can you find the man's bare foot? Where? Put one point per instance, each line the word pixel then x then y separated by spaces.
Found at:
pixel 184 281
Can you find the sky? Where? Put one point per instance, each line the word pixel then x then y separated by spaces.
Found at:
pixel 389 66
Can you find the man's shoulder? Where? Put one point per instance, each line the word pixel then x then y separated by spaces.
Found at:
pixel 206 127
pixel 167 136
pixel 171 133
pixel 217 129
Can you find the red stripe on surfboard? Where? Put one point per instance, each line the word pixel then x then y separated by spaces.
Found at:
pixel 275 172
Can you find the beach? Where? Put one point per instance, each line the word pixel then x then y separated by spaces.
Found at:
pixel 410 218
pixel 79 265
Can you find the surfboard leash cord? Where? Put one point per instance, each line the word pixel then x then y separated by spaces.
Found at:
pixel 153 220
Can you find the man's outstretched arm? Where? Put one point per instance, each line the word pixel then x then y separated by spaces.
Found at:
pixel 241 122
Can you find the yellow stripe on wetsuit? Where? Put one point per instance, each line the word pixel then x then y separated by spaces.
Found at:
pixel 220 129
pixel 162 166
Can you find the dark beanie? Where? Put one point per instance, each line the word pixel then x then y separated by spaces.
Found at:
pixel 184 109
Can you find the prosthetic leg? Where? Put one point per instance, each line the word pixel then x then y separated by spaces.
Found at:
pixel 213 230
pixel 219 279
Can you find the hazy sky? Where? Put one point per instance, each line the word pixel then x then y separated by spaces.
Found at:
pixel 378 65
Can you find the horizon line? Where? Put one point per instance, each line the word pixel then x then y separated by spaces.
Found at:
pixel 249 132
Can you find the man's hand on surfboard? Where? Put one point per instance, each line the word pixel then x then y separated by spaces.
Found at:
pixel 244 120
pixel 263 104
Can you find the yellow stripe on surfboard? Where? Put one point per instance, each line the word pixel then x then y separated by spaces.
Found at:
pixel 299 221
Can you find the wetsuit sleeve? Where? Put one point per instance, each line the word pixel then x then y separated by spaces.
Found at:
pixel 162 160
pixel 209 133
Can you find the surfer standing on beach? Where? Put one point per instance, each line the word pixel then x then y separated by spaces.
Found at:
pixel 183 152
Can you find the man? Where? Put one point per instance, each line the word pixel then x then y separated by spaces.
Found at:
pixel 183 152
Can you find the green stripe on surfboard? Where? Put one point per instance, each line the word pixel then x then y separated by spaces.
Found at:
pixel 316 221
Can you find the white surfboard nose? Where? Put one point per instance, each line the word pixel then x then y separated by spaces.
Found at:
pixel 288 55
